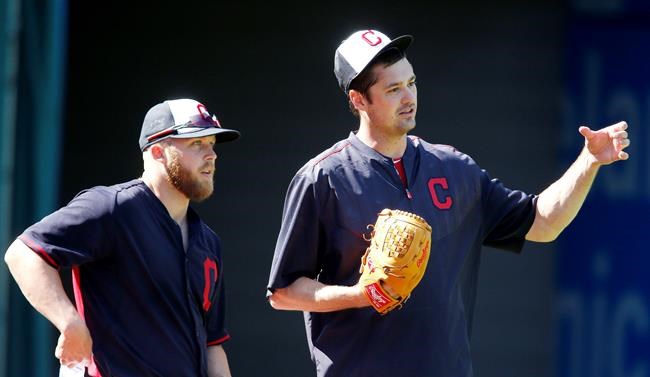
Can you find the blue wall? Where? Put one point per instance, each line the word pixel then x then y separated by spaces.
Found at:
pixel 603 284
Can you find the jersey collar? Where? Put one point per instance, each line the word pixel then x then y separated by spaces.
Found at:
pixel 372 154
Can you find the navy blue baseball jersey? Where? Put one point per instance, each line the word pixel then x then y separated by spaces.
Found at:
pixel 152 308
pixel 329 204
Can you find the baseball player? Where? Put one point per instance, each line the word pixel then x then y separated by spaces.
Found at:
pixel 332 199
pixel 147 271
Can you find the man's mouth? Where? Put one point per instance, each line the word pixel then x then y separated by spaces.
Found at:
pixel 207 171
pixel 407 111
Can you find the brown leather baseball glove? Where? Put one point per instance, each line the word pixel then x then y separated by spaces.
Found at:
pixel 396 259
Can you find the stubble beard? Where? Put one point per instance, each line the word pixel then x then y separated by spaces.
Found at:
pixel 183 180
pixel 404 125
pixel 408 125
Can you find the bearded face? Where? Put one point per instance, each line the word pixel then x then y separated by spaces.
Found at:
pixel 196 185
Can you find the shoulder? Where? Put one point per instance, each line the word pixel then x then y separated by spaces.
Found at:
pixel 325 162
pixel 109 197
pixel 331 157
pixel 442 152
pixel 126 188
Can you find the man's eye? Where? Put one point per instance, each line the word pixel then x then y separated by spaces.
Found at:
pixel 412 83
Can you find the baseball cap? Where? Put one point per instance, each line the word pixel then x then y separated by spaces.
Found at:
pixel 181 118
pixel 359 50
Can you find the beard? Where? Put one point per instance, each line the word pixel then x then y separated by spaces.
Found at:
pixel 406 125
pixel 184 180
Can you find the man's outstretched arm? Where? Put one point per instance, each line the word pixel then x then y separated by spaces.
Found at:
pixel 559 204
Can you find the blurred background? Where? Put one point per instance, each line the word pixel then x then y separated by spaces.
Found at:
pixel 507 82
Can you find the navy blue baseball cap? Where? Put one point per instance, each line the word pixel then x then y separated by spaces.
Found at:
pixel 359 50
pixel 181 118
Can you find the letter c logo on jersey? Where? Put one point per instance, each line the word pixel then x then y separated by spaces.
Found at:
pixel 437 185
pixel 210 274
pixel 374 40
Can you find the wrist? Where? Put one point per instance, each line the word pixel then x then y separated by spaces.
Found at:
pixel 358 296
pixel 589 160
pixel 71 322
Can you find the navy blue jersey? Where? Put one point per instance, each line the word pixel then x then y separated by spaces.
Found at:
pixel 330 203
pixel 152 309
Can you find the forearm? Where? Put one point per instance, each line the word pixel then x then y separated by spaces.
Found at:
pixel 41 285
pixel 558 205
pixel 311 296
pixel 218 362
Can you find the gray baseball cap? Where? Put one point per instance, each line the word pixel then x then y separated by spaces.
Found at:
pixel 359 50
pixel 181 118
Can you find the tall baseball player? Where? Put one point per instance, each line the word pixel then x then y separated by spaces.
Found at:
pixel 147 272
pixel 332 199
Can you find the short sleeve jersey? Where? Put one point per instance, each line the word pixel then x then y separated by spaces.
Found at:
pixel 329 204
pixel 152 308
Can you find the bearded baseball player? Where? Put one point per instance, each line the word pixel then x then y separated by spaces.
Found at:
pixel 147 271
pixel 368 324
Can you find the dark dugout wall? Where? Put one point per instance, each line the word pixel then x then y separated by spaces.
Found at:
pixel 489 83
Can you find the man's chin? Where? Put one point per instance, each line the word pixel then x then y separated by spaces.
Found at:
pixel 201 195
pixel 200 198
pixel 197 192
pixel 407 125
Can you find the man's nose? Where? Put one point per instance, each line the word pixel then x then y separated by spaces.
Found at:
pixel 410 95
pixel 211 155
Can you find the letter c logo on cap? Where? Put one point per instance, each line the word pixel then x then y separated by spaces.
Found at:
pixel 205 114
pixel 374 39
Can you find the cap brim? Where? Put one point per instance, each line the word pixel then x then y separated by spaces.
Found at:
pixel 401 43
pixel 222 134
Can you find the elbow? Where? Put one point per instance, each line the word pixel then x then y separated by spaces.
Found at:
pixel 278 300
pixel 7 258
pixel 11 255
pixel 273 301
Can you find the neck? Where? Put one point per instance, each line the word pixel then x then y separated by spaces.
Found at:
pixel 390 145
pixel 174 201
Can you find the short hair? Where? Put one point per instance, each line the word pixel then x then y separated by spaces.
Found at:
pixel 367 78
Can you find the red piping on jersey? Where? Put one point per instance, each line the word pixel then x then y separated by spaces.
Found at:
pixel 76 287
pixel 347 144
pixel 78 299
pixel 219 341
pixel 39 251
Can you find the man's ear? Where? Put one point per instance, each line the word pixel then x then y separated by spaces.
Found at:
pixel 157 152
pixel 357 99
